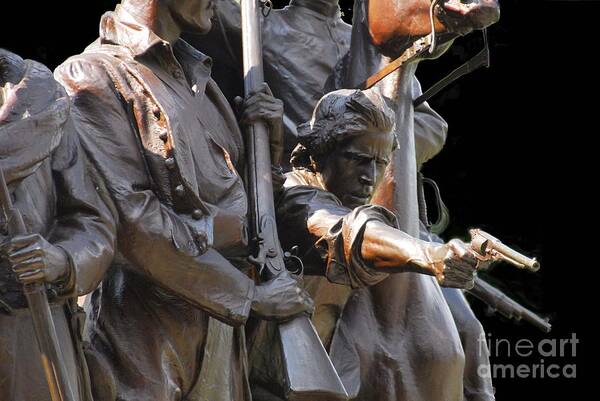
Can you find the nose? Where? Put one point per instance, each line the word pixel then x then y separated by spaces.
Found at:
pixel 365 179
pixel 368 174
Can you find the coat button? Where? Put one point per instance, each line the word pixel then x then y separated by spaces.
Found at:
pixel 170 163
pixel 197 214
pixel 163 136
pixel 179 191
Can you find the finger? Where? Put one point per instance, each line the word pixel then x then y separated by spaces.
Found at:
pixel 5 246
pixel 22 241
pixel 305 304
pixel 25 253
pixel 29 265
pixel 31 277
pixel 266 89
pixel 251 118
pixel 458 247
pixel 264 99
pixel 263 107
pixel 256 109
pixel 470 284
pixel 262 88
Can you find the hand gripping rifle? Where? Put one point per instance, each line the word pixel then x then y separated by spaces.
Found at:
pixel 53 364
pixel 308 373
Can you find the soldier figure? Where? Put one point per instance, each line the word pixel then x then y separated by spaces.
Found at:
pixel 168 146
pixel 71 232
pixel 338 164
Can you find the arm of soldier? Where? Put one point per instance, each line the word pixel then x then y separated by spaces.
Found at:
pixel 430 129
pixel 329 235
pixel 85 226
pixel 389 249
pixel 155 239
pixel 363 246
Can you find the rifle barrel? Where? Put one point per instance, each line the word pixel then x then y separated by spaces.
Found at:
pixel 309 373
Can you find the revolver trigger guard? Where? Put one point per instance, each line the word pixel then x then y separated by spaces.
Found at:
pixel 481 259
pixel 293 260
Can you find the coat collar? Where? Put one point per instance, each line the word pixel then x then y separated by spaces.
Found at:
pixel 120 28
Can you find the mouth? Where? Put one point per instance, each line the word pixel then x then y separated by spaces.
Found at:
pixel 359 198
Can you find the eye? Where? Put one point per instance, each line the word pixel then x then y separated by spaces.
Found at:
pixel 353 156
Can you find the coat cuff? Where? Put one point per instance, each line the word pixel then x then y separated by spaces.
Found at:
pixel 66 287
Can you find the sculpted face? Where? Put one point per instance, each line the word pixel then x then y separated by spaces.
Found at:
pixel 193 16
pixel 356 166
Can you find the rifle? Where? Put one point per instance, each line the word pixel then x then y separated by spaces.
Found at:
pixel 53 364
pixel 308 373
pixel 496 300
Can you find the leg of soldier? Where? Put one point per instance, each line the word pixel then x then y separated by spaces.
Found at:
pixel 21 374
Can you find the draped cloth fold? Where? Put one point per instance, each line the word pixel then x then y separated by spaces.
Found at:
pixel 33 117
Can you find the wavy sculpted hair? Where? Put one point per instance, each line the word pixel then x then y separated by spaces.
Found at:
pixel 338 116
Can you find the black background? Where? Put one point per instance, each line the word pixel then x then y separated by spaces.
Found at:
pixel 519 145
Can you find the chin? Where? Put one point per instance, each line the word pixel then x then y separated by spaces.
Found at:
pixel 198 27
pixel 351 203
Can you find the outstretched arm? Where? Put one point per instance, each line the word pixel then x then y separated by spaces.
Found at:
pixel 360 247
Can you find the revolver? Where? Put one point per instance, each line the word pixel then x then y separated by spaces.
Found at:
pixel 489 248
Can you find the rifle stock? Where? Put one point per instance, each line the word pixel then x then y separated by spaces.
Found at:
pixel 308 373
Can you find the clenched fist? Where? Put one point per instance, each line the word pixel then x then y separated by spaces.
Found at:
pixel 281 298
pixel 456 265
pixel 34 260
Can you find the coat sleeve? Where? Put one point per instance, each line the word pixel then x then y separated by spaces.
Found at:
pixel 329 235
pixel 155 240
pixel 430 129
pixel 85 222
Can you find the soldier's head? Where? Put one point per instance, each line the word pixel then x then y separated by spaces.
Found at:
pixel 348 143
pixel 193 16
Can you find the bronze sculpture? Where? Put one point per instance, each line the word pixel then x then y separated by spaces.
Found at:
pixel 302 44
pixel 169 148
pixel 70 230
pixel 153 171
